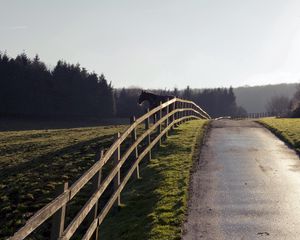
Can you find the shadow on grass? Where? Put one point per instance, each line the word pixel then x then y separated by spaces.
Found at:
pixel 158 200
pixel 47 159
pixel 23 123
pixel 26 188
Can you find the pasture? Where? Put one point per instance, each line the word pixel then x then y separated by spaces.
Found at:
pixel 33 163
pixel 288 129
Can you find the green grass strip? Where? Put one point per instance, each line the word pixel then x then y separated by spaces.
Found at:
pixel 155 206
pixel 287 129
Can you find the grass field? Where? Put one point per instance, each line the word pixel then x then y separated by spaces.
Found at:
pixel 287 129
pixel 155 206
pixel 33 163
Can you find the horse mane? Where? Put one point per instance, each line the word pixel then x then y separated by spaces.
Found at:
pixel 157 95
pixel 150 93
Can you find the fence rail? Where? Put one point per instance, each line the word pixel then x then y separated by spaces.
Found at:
pixel 260 115
pixel 165 117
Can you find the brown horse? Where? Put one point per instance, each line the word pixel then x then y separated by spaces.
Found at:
pixel 153 99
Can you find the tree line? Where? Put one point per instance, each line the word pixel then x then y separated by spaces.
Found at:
pixel 217 102
pixel 285 106
pixel 30 89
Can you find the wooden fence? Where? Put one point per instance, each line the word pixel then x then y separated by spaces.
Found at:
pixel 259 115
pixel 167 115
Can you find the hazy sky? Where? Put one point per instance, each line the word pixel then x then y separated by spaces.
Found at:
pixel 161 43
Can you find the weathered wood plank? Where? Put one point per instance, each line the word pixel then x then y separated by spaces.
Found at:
pixel 117 179
pixel 167 120
pixel 160 125
pixel 58 219
pixel 96 184
pixel 147 126
pixel 133 139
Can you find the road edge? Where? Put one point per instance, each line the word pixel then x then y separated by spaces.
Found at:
pixel 200 141
pixel 276 133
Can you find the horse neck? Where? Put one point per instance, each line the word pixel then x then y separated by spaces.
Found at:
pixel 150 95
pixel 151 98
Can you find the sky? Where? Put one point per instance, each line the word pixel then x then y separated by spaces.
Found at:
pixel 161 43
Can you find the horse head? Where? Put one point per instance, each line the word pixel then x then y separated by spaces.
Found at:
pixel 142 97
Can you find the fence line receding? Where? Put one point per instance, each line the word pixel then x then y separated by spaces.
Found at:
pixel 157 123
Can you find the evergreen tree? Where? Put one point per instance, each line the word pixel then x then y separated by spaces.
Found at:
pixel 28 88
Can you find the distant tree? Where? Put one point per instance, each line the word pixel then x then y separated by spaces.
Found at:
pixel 295 103
pixel 240 112
pixel 278 105
pixel 187 93
pixel 175 92
pixel 126 103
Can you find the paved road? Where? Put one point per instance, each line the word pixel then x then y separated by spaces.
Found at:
pixel 246 185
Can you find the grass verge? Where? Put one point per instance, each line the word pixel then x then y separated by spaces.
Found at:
pixel 155 206
pixel 287 129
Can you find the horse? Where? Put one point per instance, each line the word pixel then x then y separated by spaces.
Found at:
pixel 154 100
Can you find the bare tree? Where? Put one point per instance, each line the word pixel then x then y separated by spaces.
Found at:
pixel 278 105
pixel 296 97
pixel 295 104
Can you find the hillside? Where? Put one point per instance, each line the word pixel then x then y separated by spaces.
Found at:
pixel 254 99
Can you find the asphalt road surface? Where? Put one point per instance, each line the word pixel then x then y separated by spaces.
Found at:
pixel 246 185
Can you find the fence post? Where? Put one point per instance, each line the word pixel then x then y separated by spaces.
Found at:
pixel 133 139
pixel 167 120
pixel 154 118
pixel 58 220
pixel 187 111
pixel 96 184
pixel 160 125
pixel 173 115
pixel 117 179
pixel 179 113
pixel 147 126
pixel 183 112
